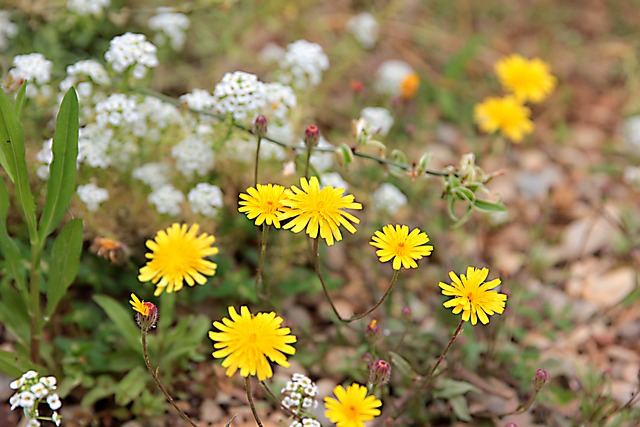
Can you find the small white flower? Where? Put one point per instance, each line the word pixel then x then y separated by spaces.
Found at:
pixel 95 146
pixel 92 196
pixel 33 423
pixel 29 375
pixel 35 69
pixel 311 390
pixel 170 26
pixel 295 396
pixel 49 382
pixel 287 402
pixel 303 64
pixel 391 74
pixel 131 50
pixel 117 110
pixel 205 199
pixel 378 120
pixel 56 418
pixel 27 399
pixel 88 7
pixel 199 99
pixel 364 28
pixel 289 387
pixel 307 402
pixel 388 198
pixel 16 384
pixel 310 422
pixel 167 200
pixel 279 100
pixel 239 94
pixel 8 29
pixel 155 175
pixel 271 52
pixel 39 390
pixel 14 401
pixel 295 424
pixel 193 156
pixel 54 401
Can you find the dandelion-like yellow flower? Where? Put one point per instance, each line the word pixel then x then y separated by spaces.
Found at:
pixel 246 341
pixel 472 297
pixel 352 407
pixel 264 203
pixel 178 255
pixel 402 246
pixel 527 79
pixel 139 306
pixel 506 114
pixel 319 210
pixel 409 86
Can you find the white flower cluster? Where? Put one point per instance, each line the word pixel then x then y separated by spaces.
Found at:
pixel 205 199
pixel 167 199
pixel 45 157
pixel 303 64
pixel 7 29
pixel 306 422
pixel 199 99
pixel 388 198
pixel 170 26
pixel 377 120
pixel 300 394
pixel 81 71
pixel 239 94
pixel 35 69
pixel 155 175
pixel 193 156
pixel 88 7
pixel 364 28
pixel 31 389
pixel 92 196
pixel 279 99
pixel 117 110
pixel 156 116
pixel 333 179
pixel 391 74
pixel 129 50
pixel 94 146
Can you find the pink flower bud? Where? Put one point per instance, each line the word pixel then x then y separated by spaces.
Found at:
pixel 379 372
pixel 311 136
pixel 260 126
pixel 540 379
pixel 149 321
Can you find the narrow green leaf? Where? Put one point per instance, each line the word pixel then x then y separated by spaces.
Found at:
pixel 131 386
pixel 13 160
pixel 460 408
pixel 14 313
pixel 65 261
pixel 12 364
pixel 402 365
pixel 122 319
pixel 62 174
pixel 487 206
pixel 448 389
pixel 455 67
pixel 8 246
pixel 17 106
pixel 231 420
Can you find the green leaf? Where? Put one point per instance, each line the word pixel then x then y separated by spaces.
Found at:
pixel 402 365
pixel 122 319
pixel 231 420
pixel 13 160
pixel 9 248
pixel 104 387
pixel 448 389
pixel 62 175
pixel 65 262
pixel 17 106
pixel 487 206
pixel 12 364
pixel 460 408
pixel 455 67
pixel 131 386
pixel 14 313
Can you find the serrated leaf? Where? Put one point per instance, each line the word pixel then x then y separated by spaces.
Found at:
pixel 487 206
pixel 65 262
pixel 62 176
pixel 122 319
pixel 131 386
pixel 9 248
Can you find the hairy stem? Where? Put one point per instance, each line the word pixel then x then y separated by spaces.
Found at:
pixel 247 384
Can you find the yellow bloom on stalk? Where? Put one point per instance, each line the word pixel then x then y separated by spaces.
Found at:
pixel 402 246
pixel 352 407
pixel 246 341
pixel 264 203
pixel 527 79
pixel 475 299
pixel 178 255
pixel 138 305
pixel 319 210
pixel 506 115
pixel 409 86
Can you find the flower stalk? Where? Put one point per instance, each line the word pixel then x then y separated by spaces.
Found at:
pixel 260 273
pixel 247 383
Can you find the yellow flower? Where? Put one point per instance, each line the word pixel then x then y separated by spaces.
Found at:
pixel 472 297
pixel 246 341
pixel 138 305
pixel 506 114
pixel 528 80
pixel 178 255
pixel 319 210
pixel 352 407
pixel 263 203
pixel 409 86
pixel 402 246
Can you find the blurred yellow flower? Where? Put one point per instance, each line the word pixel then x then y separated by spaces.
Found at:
pixel 475 299
pixel 352 407
pixel 506 115
pixel 318 210
pixel 264 203
pixel 402 246
pixel 178 255
pixel 527 79
pixel 138 305
pixel 409 86
pixel 246 341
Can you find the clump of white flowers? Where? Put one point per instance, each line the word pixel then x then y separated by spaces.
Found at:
pixel 8 29
pixel 239 94
pixel 392 76
pixel 95 146
pixel 131 50
pixel 205 199
pixel 364 28
pixel 300 395
pixel 199 99
pixel 377 120
pixel 193 155
pixel 88 7
pixel 92 196
pixel 35 69
pixel 303 64
pixel 83 74
pixel 388 199
pixel 306 422
pixel 155 175
pixel 279 100
pixel 31 391
pixel 167 199
pixel 170 26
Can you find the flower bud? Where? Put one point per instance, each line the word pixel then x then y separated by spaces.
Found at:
pixel 357 86
pixel 379 372
pixel 373 329
pixel 406 311
pixel 511 425
pixel 149 320
pixel 260 126
pixel 311 136
pixel 540 379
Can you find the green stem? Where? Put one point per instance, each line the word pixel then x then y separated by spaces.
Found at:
pixel 161 386
pixel 247 384
pixel 394 279
pixel 307 162
pixel 34 303
pixel 263 251
pixel 255 169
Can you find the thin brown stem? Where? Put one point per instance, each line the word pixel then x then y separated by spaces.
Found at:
pixel 161 386
pixel 279 402
pixel 247 384
pixel 307 162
